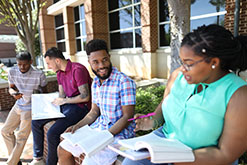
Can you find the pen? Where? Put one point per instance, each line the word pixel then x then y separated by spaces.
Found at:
pixel 139 117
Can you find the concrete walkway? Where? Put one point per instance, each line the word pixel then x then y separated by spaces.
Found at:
pixel 28 150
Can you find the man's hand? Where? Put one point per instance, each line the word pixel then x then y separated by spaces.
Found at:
pixel 59 101
pixel 17 95
pixel 73 128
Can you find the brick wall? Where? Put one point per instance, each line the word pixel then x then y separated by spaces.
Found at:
pixel 149 25
pixel 7 101
pixel 229 18
pixel 96 19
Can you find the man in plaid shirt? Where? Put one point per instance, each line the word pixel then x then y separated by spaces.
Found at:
pixel 113 102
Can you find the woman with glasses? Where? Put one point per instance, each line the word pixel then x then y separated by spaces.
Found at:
pixel 205 102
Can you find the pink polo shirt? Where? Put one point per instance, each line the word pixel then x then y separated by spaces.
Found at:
pixel 74 76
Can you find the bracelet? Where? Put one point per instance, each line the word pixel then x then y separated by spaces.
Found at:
pixel 156 124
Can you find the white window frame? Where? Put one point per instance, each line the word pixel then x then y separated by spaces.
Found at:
pixel 80 21
pixel 58 28
pixel 133 28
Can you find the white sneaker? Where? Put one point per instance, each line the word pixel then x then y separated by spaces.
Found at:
pixel 37 162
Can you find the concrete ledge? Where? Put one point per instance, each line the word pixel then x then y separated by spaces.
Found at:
pixel 153 82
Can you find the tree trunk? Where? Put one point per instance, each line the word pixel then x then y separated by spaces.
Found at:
pixel 179 13
pixel 30 49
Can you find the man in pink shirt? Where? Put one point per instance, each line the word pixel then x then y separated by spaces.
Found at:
pixel 74 84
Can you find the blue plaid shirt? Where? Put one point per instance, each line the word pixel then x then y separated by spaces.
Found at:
pixel 116 91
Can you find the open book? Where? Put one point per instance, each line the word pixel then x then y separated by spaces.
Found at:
pixel 89 140
pixel 129 153
pixel 161 150
pixel 42 108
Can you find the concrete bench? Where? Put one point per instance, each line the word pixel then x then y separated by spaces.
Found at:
pixel 78 161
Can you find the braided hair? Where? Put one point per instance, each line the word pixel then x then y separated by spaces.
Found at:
pixel 215 41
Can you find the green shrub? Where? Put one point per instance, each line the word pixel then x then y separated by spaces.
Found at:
pixel 243 159
pixel 147 101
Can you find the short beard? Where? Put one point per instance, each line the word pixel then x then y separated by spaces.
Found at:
pixel 107 75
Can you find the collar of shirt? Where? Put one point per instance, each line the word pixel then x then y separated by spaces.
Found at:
pixel 111 77
pixel 28 72
pixel 68 67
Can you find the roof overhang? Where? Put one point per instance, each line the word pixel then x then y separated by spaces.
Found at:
pixel 57 8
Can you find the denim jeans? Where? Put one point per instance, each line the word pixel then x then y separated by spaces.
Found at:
pixel 73 115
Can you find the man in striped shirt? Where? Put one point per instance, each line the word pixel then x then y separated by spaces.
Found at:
pixel 23 81
pixel 113 102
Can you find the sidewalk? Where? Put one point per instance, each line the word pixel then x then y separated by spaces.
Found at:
pixel 28 150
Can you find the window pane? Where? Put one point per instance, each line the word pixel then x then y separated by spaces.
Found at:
pixel 163 11
pixel 77 30
pixel 76 13
pixel 61 46
pixel 117 4
pixel 78 44
pixel 55 1
pixel 82 12
pixel 211 20
pixel 138 37
pixel 122 40
pixel 135 1
pixel 207 6
pixel 121 19
pixel 60 34
pixel 137 15
pixel 83 24
pixel 59 20
pixel 165 35
pixel 84 43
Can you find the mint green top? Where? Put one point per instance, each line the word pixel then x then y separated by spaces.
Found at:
pixel 197 119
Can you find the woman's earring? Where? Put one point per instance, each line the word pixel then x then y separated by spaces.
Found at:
pixel 213 66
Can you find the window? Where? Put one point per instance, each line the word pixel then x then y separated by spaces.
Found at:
pixel 125 23
pixel 202 12
pixel 55 1
pixel 164 24
pixel 59 27
pixel 80 28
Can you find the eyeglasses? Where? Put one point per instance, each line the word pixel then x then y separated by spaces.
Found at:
pixel 188 67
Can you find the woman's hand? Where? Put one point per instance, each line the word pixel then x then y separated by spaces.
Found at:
pixel 143 123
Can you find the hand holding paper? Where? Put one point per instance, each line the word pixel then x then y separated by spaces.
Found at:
pixel 58 101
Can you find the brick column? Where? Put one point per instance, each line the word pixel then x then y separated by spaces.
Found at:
pixel 149 23
pixel 47 28
pixel 69 30
pixel 229 17
pixel 96 19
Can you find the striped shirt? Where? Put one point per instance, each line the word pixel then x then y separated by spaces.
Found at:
pixel 116 91
pixel 26 82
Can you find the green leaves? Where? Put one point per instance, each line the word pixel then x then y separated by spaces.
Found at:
pixel 148 99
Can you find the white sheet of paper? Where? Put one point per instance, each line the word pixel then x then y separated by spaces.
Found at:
pixel 42 108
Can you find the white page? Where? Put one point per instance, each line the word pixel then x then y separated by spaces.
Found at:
pixel 157 143
pixel 129 153
pixel 42 108
pixel 90 140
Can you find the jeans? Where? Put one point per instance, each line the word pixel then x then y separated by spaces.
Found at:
pixel 73 115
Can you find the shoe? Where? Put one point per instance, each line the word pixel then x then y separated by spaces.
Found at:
pixel 37 162
pixel 19 163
